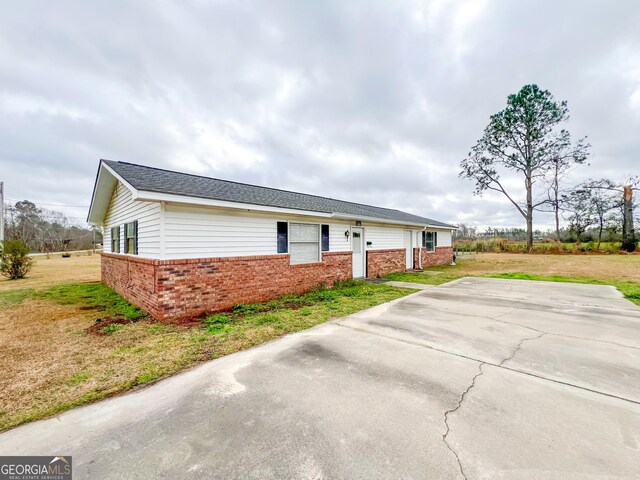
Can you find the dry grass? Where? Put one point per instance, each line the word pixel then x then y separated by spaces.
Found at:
pixel 52 362
pixel 56 270
pixel 602 267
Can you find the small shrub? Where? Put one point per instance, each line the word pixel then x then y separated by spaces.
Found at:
pixel 66 255
pixel 14 259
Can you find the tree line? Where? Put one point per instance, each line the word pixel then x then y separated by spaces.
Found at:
pixel 527 138
pixel 45 230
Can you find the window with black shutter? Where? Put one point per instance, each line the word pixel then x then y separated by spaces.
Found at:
pixel 115 240
pixel 131 238
pixel 325 238
pixel 283 237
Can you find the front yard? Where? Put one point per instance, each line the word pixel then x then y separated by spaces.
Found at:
pixel 57 355
pixel 66 340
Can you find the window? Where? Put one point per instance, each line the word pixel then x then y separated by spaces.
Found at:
pixel 115 240
pixel 430 241
pixel 304 242
pixel 131 238
pixel 325 238
pixel 283 240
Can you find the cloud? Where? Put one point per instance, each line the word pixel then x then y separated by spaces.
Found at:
pixel 374 102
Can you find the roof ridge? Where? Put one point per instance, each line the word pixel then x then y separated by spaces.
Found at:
pixel 257 186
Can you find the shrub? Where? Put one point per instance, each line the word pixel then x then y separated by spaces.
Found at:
pixel 14 259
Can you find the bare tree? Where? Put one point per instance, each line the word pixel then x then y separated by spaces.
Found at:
pixel 604 199
pixel 577 209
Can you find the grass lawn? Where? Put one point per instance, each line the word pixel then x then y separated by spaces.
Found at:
pixel 621 271
pixel 56 355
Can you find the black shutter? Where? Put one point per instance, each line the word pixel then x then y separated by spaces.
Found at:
pixel 135 236
pixel 424 239
pixel 325 238
pixel 119 239
pixel 435 240
pixel 283 237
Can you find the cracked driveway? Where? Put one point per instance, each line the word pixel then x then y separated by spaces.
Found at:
pixel 479 378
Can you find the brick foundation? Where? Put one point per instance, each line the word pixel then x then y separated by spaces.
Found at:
pixel 442 256
pixel 176 289
pixel 383 262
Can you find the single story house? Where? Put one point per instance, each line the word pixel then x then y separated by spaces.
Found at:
pixel 179 245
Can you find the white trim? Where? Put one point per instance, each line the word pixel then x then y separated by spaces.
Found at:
pixel 344 216
pixel 117 178
pixel 166 197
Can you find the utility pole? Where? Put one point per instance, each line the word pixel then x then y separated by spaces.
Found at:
pixel 628 235
pixel 1 212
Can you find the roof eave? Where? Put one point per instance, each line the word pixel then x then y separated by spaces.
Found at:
pixel 106 180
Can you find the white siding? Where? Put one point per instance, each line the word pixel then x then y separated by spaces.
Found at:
pixel 123 209
pixel 338 242
pixel 201 232
pixel 444 238
pixel 384 237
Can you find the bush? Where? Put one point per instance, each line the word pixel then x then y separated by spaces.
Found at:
pixel 14 259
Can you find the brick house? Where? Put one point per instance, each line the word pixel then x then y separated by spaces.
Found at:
pixel 180 245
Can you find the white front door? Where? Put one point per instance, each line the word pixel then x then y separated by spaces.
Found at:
pixel 357 247
pixel 408 244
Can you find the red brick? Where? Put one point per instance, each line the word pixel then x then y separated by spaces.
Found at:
pixel 175 289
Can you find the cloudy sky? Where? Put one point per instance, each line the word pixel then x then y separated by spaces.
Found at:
pixel 375 102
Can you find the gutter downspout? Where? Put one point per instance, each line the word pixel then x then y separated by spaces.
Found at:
pixel 420 251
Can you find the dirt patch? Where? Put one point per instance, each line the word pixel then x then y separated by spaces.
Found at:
pixel 101 327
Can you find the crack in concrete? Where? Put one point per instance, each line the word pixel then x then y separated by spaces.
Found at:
pixel 467 357
pixel 518 347
pixel 452 410
pixel 497 319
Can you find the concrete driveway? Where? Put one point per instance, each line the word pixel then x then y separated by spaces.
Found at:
pixel 480 378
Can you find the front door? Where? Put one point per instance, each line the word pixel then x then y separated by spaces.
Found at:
pixel 408 245
pixel 357 247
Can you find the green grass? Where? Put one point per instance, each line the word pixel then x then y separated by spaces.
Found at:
pixel 14 298
pixel 88 295
pixel 258 322
pixel 630 290
pixel 76 379
pixel 448 274
pixel 93 295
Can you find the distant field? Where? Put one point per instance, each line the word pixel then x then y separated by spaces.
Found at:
pixel 498 245
pixel 621 271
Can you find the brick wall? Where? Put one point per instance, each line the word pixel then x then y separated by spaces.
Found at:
pixel 382 262
pixel 442 256
pixel 176 289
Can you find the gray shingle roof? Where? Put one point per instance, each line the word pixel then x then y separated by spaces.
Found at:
pixel 165 181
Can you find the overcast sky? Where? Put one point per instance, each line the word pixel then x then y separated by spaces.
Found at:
pixel 375 102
